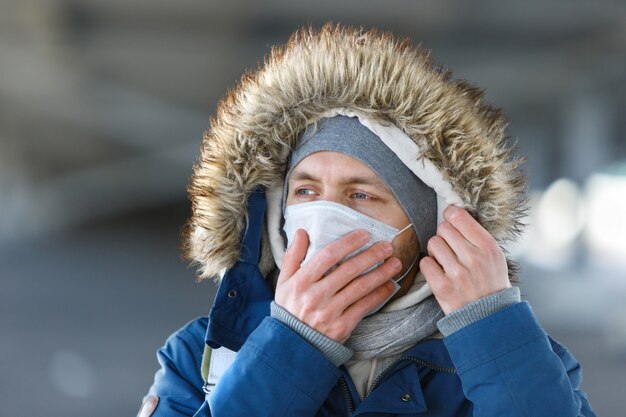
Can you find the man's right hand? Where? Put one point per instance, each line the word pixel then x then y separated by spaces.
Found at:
pixel 334 304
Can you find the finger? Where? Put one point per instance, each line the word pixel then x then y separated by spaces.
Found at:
pixel 294 255
pixel 435 277
pixel 443 254
pixel 462 247
pixel 467 226
pixel 332 253
pixel 362 286
pixel 355 312
pixel 355 266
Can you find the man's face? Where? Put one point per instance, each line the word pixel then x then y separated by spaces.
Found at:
pixel 333 176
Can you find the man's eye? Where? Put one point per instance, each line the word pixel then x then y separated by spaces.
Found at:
pixel 304 191
pixel 361 196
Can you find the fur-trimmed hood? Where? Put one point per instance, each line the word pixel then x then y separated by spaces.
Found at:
pixel 368 72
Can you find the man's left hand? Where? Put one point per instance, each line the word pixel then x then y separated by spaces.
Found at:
pixel 465 262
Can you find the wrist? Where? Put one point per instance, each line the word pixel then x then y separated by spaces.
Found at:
pixel 334 351
pixel 478 310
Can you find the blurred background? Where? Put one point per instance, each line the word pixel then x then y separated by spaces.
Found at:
pixel 102 108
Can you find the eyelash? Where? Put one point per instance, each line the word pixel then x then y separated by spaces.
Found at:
pixel 367 196
pixel 297 192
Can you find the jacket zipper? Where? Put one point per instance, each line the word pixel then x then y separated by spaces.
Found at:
pixel 419 361
pixel 346 393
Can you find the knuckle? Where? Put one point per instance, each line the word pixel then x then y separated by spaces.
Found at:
pixel 371 303
pixel 306 301
pixel 350 268
pixel 383 274
pixel 381 293
pixel 381 252
pixel 362 286
pixel 388 288
pixel 433 243
pixel 427 266
pixel 351 241
pixel 300 286
pixel 386 271
pixel 323 317
pixel 327 255
pixel 310 300
pixel 359 237
pixel 323 287
pixel 443 286
pixel 456 272
pixel 474 263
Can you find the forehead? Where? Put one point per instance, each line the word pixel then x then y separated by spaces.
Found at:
pixel 335 167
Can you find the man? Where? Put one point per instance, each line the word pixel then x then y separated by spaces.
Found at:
pixel 352 199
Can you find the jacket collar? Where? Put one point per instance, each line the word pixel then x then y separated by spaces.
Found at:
pixel 402 393
pixel 244 296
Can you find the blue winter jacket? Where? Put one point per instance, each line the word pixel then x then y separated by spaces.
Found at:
pixel 502 365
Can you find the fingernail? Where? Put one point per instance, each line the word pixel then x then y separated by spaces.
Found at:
pixel 363 236
pixel 395 263
pixel 387 248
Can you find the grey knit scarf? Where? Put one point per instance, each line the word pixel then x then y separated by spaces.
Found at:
pixel 386 334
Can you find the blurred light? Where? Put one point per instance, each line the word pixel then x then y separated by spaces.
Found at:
pixel 560 214
pixel 72 375
pixel 606 228
pixel 557 217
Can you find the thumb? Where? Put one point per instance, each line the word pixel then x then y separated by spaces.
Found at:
pixel 294 255
pixel 434 274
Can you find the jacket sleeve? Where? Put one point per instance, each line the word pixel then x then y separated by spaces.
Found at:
pixel 178 383
pixel 275 373
pixel 509 367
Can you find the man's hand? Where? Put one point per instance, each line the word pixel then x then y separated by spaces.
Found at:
pixel 333 305
pixel 465 263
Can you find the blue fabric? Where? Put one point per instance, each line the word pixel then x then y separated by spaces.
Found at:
pixel 244 296
pixel 478 310
pixel 502 365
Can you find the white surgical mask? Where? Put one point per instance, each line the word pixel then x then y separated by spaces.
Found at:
pixel 326 221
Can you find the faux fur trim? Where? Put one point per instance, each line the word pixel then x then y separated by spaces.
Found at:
pixel 259 121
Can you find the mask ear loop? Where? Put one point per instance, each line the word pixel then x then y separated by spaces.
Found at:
pixel 418 256
pixel 407 271
pixel 403 229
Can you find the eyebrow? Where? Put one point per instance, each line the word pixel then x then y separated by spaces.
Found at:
pixel 356 179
